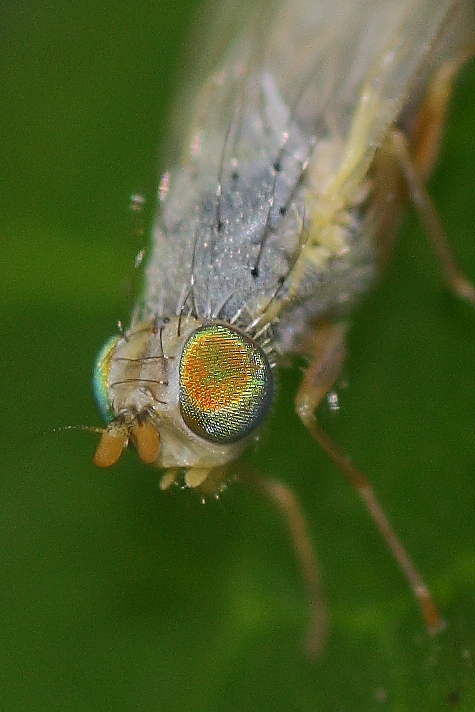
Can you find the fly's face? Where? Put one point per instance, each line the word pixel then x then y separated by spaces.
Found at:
pixel 189 394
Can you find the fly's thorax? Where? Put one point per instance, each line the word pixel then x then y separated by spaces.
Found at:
pixel 201 387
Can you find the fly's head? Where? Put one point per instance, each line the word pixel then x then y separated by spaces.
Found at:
pixel 189 394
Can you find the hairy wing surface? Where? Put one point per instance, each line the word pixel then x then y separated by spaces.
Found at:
pixel 281 76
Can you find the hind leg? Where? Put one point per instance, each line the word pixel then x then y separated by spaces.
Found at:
pixel 401 168
pixel 454 277
pixel 416 154
pixel 426 133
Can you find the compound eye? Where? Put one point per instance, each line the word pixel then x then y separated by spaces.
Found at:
pixel 225 384
pixel 100 379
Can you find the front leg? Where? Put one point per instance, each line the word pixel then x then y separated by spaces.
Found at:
pixel 328 356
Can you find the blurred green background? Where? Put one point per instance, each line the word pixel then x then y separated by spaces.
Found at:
pixel 115 596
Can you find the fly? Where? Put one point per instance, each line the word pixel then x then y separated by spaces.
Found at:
pixel 316 121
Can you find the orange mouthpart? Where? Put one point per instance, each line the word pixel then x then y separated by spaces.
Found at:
pixel 147 442
pixel 110 448
pixel 114 441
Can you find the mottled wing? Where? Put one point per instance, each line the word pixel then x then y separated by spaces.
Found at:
pixel 289 76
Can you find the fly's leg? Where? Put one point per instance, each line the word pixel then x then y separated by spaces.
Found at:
pixel 416 156
pixel 286 502
pixel 427 132
pixel 329 351
pixel 454 277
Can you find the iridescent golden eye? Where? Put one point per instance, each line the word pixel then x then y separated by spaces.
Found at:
pixel 225 383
